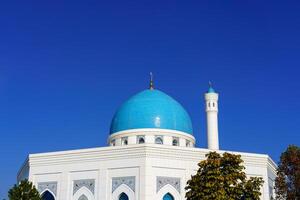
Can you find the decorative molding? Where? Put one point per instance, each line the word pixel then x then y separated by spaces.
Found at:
pixel 88 183
pixel 128 180
pixel 161 181
pixel 138 151
pixel 51 186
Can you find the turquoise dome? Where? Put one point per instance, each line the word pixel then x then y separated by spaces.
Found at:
pixel 151 109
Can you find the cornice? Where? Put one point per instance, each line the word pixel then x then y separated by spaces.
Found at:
pixel 142 151
pixel 24 166
pixel 272 165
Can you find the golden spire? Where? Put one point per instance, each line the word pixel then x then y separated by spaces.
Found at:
pixel 151 82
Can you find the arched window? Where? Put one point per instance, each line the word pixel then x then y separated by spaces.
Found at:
pixel 113 142
pixel 123 196
pixel 168 196
pixel 158 140
pixel 47 196
pixel 187 143
pixel 141 140
pixel 124 140
pixel 175 141
pixel 83 197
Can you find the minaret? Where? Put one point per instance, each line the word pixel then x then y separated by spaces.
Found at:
pixel 211 99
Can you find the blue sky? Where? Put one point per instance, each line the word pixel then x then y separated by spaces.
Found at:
pixel 65 67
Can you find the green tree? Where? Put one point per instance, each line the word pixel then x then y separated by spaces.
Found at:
pixel 221 177
pixel 287 182
pixel 25 190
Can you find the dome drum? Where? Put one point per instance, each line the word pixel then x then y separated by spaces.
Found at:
pixel 151 136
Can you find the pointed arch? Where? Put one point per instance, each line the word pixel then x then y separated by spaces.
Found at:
pixel 83 192
pixel 168 196
pixel 159 140
pixel 83 197
pixel 123 196
pixel 168 189
pixel 123 189
pixel 47 195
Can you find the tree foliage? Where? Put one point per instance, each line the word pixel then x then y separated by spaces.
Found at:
pixel 287 182
pixel 221 177
pixel 25 190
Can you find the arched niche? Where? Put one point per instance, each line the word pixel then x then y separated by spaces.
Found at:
pixel 168 189
pixel 168 196
pixel 123 196
pixel 47 195
pixel 123 189
pixel 83 192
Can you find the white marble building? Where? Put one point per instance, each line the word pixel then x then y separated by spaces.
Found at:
pixel 150 156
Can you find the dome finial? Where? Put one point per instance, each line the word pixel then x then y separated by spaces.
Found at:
pixel 151 81
pixel 210 89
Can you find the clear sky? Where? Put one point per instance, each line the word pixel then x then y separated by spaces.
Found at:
pixel 65 67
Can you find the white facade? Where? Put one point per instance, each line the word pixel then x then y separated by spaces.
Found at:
pixel 140 163
pixel 145 171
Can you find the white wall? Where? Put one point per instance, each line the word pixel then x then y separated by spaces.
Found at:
pixel 145 162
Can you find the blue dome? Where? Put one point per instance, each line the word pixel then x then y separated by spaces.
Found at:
pixel 151 109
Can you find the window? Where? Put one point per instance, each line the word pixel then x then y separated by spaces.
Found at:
pixel 140 139
pixel 124 140
pixel 187 143
pixel 168 196
pixel 123 196
pixel 158 140
pixel 175 141
pixel 47 196
pixel 113 142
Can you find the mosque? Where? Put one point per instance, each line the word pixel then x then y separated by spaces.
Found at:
pixel 151 154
